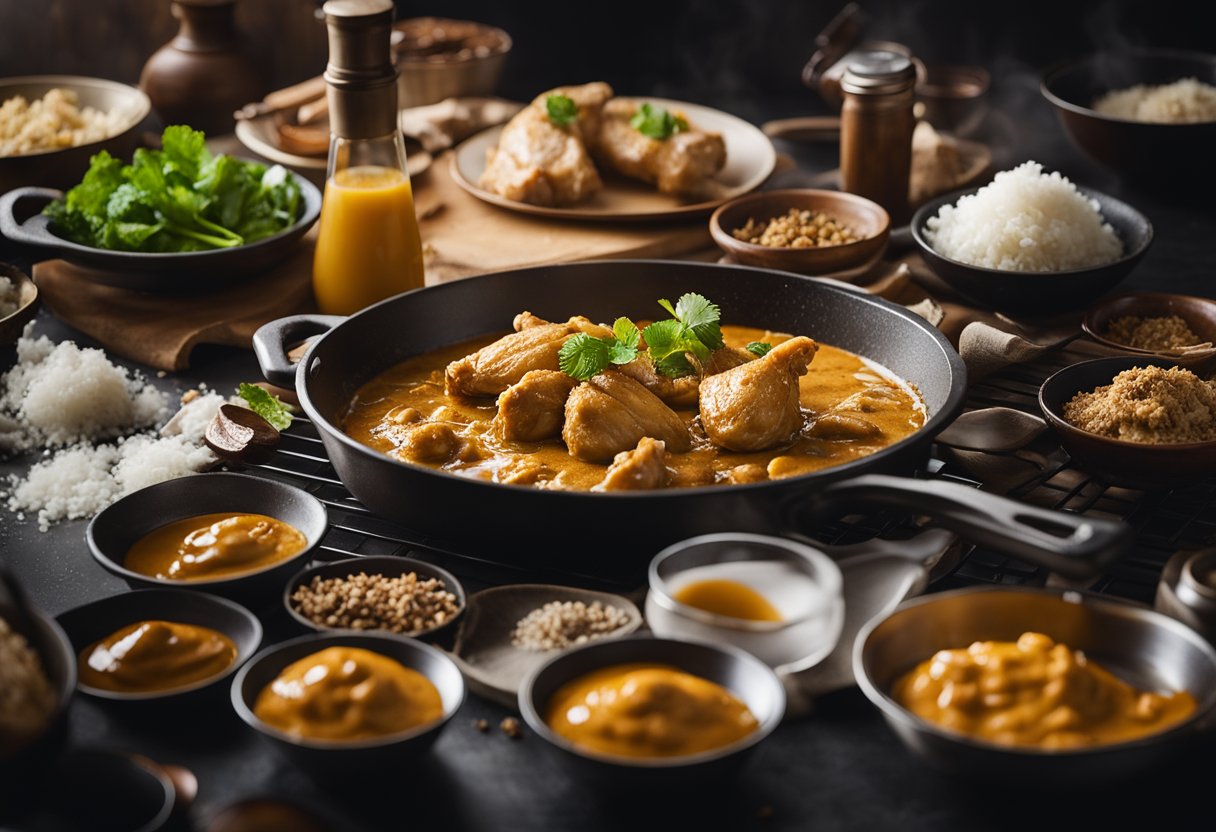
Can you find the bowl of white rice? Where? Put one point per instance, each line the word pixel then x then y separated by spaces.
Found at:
pixel 1147 114
pixel 1030 242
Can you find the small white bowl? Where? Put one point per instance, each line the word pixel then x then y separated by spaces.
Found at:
pixel 802 583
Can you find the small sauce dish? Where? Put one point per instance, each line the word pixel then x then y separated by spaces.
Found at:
pixel 117 528
pixel 87 624
pixel 803 585
pixel 342 758
pixel 390 566
pixel 742 675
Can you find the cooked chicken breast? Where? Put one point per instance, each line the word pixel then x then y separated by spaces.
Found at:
pixel 681 164
pixel 542 163
pixel 611 413
pixel 643 468
pixel 755 406
pixel 534 408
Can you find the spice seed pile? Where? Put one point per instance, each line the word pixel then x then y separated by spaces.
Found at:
pixel 561 624
pixel 403 604
pixel 797 229
pixel 1157 334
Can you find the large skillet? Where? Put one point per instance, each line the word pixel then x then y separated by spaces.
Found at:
pixel 613 532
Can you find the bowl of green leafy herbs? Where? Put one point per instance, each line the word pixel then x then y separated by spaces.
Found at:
pixel 178 219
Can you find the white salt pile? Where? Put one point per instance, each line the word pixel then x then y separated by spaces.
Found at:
pixel 1186 101
pixel 61 395
pixel 1026 221
pixel 58 394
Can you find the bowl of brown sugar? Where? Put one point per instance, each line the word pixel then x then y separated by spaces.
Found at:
pixel 1179 327
pixel 1135 421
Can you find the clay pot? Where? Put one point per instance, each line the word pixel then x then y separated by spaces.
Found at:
pixel 205 73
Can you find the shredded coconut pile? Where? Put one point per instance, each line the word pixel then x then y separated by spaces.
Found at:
pixel 62 395
pixel 1187 101
pixel 1025 221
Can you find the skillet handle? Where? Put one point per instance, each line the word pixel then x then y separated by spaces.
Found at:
pixel 1071 544
pixel 271 341
pixel 34 231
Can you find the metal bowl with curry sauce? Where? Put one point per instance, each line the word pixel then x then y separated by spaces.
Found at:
pixel 1139 646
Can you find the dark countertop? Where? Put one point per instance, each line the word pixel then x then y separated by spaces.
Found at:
pixel 839 768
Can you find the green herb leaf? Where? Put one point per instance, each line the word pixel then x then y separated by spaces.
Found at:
pixel 626 333
pixel 266 405
pixel 583 356
pixel 759 348
pixel 701 316
pixel 179 198
pixel 657 122
pixel 562 109
pixel 663 338
pixel 675 365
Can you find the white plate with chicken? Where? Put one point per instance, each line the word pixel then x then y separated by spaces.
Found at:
pixel 582 153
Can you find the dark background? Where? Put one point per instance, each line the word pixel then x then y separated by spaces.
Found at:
pixel 726 52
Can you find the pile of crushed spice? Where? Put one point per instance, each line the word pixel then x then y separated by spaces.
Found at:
pixel 1168 333
pixel 560 624
pixel 1151 405
pixel 403 604
pixel 74 399
pixel 796 229
pixel 26 698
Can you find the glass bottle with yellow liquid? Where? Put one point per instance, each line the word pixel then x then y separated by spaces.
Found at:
pixel 368 245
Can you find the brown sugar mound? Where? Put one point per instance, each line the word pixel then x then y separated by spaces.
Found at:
pixel 1162 334
pixel 1153 405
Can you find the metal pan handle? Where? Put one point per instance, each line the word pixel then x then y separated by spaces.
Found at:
pixel 272 340
pixel 33 231
pixel 1071 544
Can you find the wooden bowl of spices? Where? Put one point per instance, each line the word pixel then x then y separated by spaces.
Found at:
pixel 1179 327
pixel 805 231
pixel 385 593
pixel 1134 421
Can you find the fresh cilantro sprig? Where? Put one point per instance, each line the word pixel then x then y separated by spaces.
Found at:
pixel 265 404
pixel 584 356
pixel 759 348
pixel 562 109
pixel 694 328
pixel 657 122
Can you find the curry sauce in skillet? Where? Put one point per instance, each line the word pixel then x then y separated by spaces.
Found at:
pixel 761 406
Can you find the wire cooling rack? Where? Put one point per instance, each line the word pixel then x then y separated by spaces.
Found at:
pixel 1164 522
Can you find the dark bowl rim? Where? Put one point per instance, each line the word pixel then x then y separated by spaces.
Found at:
pixel 115 568
pixel 69 81
pixel 309 213
pixel 1104 605
pixel 933 206
pixel 64 692
pixel 1088 320
pixel 935 421
pixel 167 693
pixel 507 43
pixel 451 584
pixel 245 711
pixel 740 657
pixel 10 271
pixel 1054 73
pixel 731 245
pixel 1057 421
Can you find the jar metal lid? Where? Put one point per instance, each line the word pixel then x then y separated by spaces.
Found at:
pixel 878 72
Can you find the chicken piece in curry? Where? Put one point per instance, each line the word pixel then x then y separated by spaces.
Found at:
pixel 502 409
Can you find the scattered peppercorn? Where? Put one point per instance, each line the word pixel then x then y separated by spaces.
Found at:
pixel 481 725
pixel 510 727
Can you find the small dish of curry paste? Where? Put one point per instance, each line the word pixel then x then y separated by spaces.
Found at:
pixel 214 546
pixel 155 656
pixel 648 710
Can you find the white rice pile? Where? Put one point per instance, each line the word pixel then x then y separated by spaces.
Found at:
pixel 1188 101
pixel 1025 221
pixel 63 395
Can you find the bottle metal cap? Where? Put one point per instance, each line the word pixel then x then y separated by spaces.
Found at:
pixel 878 72
pixel 361 77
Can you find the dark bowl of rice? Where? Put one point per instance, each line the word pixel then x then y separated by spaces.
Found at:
pixel 1155 152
